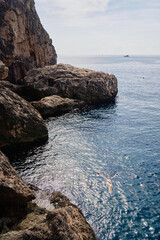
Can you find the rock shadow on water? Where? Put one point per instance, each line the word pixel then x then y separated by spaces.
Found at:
pixel 109 108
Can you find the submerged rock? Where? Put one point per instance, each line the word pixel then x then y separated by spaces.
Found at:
pixel 3 71
pixel 55 105
pixel 71 82
pixel 20 122
pixel 24 43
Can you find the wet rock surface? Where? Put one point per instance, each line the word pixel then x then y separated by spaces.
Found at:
pixel 24 43
pixel 71 82
pixel 20 122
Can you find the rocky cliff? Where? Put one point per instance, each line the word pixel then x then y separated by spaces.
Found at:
pixel 23 41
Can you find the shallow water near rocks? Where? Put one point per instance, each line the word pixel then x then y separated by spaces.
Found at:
pixel 121 138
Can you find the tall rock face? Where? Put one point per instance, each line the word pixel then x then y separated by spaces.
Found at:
pixel 24 43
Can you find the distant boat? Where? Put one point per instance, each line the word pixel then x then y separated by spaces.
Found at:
pixel 126 55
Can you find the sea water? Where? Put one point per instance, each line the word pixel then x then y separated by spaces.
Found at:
pixel 121 139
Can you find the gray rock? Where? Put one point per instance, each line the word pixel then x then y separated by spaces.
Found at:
pixel 24 43
pixel 55 105
pixel 71 82
pixel 20 122
pixel 3 71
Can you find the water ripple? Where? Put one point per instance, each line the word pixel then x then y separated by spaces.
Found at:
pixel 121 139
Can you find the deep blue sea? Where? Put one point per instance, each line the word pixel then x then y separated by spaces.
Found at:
pixel 121 139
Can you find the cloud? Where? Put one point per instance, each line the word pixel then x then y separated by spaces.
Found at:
pixel 74 12
pixel 95 13
pixel 102 26
pixel 81 8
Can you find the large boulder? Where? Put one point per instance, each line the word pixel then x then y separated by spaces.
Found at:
pixel 71 82
pixel 3 71
pixel 12 187
pixel 24 43
pixel 20 122
pixel 55 105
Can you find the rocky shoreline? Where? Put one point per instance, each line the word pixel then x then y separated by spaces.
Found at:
pixel 22 219
pixel 33 87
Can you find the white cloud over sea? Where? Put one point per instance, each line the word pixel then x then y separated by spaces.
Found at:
pixel 75 12
pixel 102 26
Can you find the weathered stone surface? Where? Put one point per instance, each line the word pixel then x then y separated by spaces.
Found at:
pixel 20 122
pixel 69 223
pixel 3 71
pixel 64 223
pixel 55 105
pixel 23 41
pixel 13 190
pixel 71 82
pixel 67 220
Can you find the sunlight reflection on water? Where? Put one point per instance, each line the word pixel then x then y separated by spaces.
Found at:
pixel 122 137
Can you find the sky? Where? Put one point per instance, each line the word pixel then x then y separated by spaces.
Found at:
pixel 102 27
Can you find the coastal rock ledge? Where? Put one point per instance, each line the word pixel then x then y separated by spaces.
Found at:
pixel 21 219
pixel 71 82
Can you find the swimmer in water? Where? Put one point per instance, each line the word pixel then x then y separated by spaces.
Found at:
pixel 109 183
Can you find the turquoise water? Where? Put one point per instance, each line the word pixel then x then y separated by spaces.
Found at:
pixel 121 138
